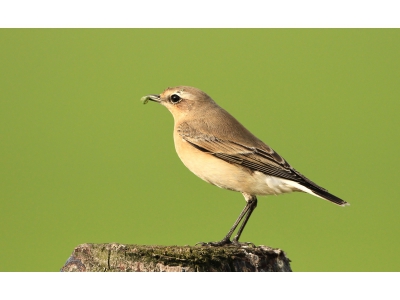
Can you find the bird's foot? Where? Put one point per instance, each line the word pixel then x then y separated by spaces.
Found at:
pixel 227 243
pixel 224 242
pixel 243 244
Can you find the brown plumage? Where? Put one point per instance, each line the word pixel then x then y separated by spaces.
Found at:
pixel 217 148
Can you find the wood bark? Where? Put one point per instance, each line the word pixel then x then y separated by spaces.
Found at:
pixel 143 258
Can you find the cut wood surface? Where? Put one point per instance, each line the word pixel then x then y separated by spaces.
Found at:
pixel 144 258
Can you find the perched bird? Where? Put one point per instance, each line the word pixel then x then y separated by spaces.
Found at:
pixel 217 148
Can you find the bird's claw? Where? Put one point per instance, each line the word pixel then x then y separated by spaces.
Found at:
pixel 226 243
pixel 243 244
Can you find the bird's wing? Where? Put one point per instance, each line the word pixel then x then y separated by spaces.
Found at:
pixel 264 160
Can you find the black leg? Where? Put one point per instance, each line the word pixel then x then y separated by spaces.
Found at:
pixel 246 213
pixel 253 205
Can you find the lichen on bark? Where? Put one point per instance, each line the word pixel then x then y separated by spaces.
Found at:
pixel 144 258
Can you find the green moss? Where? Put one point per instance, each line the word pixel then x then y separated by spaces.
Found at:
pixel 119 257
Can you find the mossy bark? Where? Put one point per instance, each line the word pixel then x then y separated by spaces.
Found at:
pixel 142 258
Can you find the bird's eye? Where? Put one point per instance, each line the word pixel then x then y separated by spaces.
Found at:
pixel 175 98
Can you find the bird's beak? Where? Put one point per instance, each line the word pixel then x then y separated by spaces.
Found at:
pixel 155 98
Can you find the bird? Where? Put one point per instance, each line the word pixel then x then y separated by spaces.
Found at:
pixel 216 147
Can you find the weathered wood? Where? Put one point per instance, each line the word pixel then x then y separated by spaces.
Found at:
pixel 142 258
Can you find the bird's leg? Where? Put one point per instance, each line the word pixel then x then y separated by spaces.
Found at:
pixel 252 202
pixel 246 212
pixel 227 238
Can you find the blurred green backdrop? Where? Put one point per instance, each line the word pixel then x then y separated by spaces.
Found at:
pixel 82 160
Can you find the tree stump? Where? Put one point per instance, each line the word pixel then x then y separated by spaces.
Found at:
pixel 143 258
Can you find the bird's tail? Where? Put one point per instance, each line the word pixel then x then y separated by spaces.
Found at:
pixel 315 190
pixel 328 196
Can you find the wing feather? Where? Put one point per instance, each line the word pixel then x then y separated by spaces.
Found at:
pixel 265 160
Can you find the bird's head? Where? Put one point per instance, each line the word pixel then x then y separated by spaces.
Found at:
pixel 182 100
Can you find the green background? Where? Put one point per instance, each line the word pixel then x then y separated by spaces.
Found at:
pixel 83 160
